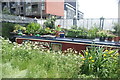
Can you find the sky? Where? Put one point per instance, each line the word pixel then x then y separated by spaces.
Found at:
pixel 99 8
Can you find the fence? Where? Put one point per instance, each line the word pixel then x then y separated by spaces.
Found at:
pixel 66 23
pixel 17 19
pixel 87 23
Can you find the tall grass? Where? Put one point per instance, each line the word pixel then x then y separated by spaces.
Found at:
pixel 29 61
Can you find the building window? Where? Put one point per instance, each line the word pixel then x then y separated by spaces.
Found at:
pixel 43 5
pixel 70 14
pixel 21 9
pixel 28 10
pixel 35 8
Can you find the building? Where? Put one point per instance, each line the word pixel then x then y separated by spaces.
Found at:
pixel 41 9
pixel 71 10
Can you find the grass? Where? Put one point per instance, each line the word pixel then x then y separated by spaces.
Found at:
pixel 28 60
pixel 25 62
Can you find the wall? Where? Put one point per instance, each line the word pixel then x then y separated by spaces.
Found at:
pixel 55 7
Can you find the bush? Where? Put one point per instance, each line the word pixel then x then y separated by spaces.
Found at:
pixel 50 22
pixel 73 33
pixel 117 29
pixel 92 33
pixel 82 32
pixel 33 28
pixel 6 29
pixel 19 27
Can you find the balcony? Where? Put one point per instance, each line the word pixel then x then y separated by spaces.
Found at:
pixel 13 5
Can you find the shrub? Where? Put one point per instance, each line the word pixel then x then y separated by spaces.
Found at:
pixel 82 32
pixel 33 28
pixel 50 22
pixel 19 27
pixel 117 29
pixel 73 33
pixel 92 33
pixel 102 33
pixel 6 29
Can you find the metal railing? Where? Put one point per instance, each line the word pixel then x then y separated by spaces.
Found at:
pixel 17 19
pixel 66 23
pixel 107 24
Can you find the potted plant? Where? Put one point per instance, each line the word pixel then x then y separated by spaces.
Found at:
pixel 50 22
pixel 110 37
pixel 18 28
pixel 33 28
pixel 117 39
pixel 116 32
pixel 102 35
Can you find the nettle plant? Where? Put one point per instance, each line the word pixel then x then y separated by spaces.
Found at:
pixel 100 62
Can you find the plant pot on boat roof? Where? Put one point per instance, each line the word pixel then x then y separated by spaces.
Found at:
pixel 116 39
pixel 102 35
pixel 110 37
pixel 18 28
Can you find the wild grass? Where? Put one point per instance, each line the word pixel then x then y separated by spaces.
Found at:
pixel 28 60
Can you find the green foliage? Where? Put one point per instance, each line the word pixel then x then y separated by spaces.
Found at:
pixel 42 31
pixel 30 61
pixel 110 35
pixel 101 63
pixel 71 33
pixel 90 77
pixel 74 27
pixel 58 28
pixel 117 29
pixel 92 33
pixel 33 28
pixel 9 72
pixel 102 33
pixel 45 31
pixel 19 27
pixel 50 22
pixel 6 29
pixel 82 32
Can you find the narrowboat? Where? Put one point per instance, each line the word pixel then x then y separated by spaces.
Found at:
pixel 63 44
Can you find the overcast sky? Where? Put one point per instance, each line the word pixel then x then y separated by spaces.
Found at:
pixel 99 8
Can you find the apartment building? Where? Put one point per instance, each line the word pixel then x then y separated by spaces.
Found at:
pixel 71 10
pixel 41 9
